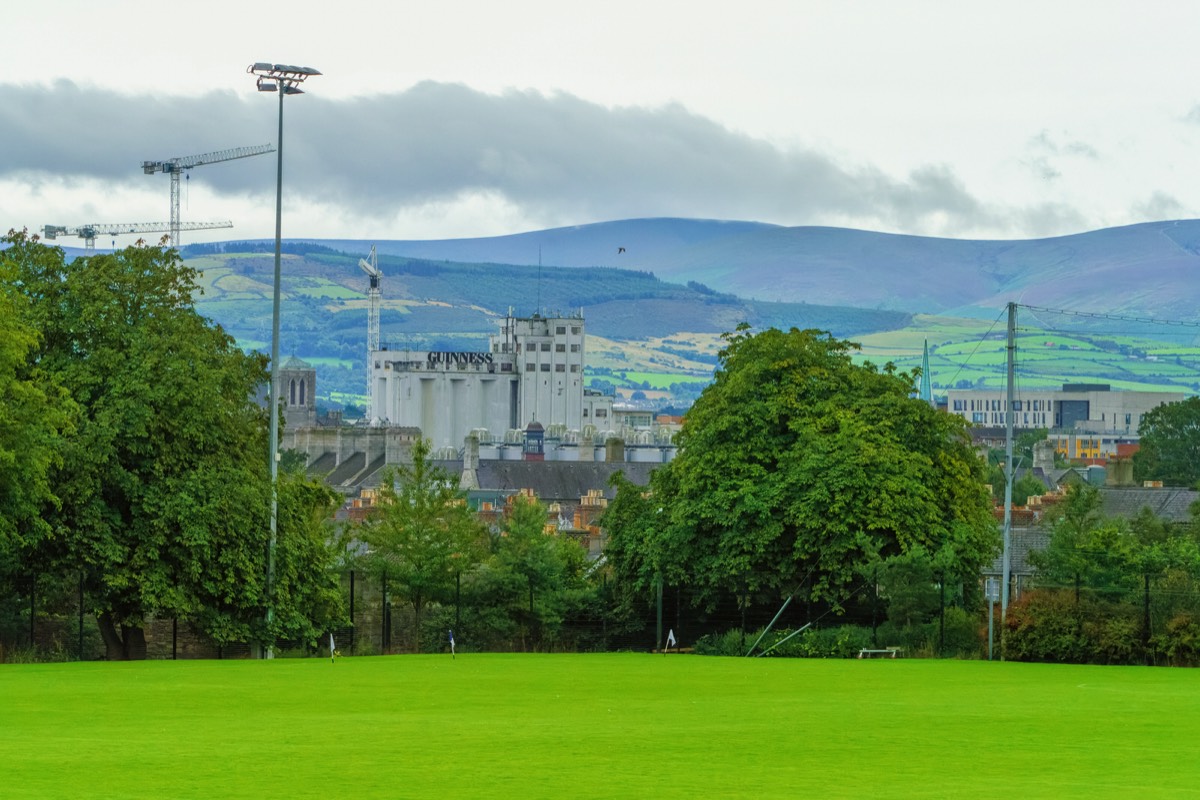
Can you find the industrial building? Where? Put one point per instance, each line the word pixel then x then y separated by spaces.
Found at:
pixel 531 372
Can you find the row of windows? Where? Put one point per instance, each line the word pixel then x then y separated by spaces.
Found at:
pixel 531 367
pixel 1024 418
pixel 545 348
pixel 998 405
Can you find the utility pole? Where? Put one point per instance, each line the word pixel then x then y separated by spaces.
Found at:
pixel 1008 472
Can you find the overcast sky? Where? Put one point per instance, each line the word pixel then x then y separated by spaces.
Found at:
pixel 436 120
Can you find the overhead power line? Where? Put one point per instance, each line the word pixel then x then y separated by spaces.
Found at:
pixel 1117 317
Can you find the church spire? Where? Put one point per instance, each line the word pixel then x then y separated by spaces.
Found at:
pixel 925 392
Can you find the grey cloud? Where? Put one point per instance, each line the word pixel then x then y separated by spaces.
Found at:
pixel 1047 151
pixel 1047 219
pixel 1055 145
pixel 67 130
pixel 1160 205
pixel 558 157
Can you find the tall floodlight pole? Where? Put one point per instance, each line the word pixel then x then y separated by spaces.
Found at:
pixel 285 80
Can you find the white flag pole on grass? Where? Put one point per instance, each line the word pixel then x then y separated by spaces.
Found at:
pixel 452 645
pixel 331 648
pixel 670 640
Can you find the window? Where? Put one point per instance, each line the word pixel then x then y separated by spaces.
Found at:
pixel 574 368
pixel 560 367
pixel 560 330
pixel 575 330
pixel 601 412
pixel 529 367
pixel 545 367
pixel 545 347
pixel 560 348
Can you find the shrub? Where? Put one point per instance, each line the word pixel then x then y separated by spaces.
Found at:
pixel 1179 644
pixel 1045 625
pixel 1115 637
pixel 839 642
pixel 964 637
pixel 730 643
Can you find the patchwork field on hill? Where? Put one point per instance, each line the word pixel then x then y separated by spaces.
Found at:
pixel 1124 298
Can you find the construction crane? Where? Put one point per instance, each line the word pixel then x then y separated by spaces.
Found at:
pixel 370 265
pixel 89 232
pixel 181 164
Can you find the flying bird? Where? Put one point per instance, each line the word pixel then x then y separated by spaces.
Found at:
pixel 620 250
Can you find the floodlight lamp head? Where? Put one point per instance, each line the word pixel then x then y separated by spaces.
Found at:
pixel 281 72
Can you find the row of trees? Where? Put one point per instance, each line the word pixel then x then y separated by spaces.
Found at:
pixel 519 580
pixel 133 456
pixel 1111 590
pixel 133 464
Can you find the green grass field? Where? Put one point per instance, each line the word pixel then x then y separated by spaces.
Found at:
pixel 619 725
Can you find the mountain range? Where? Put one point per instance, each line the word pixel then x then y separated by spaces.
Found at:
pixel 1147 269
pixel 657 292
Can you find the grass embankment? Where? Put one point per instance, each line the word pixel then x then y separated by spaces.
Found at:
pixel 596 726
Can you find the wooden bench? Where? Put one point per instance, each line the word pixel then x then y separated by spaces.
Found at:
pixel 887 652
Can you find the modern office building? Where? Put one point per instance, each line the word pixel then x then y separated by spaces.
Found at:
pixel 1079 407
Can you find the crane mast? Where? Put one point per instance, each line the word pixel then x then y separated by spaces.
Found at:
pixel 370 265
pixel 89 232
pixel 181 164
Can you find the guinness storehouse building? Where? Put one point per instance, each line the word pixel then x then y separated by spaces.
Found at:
pixel 531 372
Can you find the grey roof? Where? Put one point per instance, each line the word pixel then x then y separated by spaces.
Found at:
pixel 1051 478
pixel 1171 504
pixel 1024 541
pixel 293 362
pixel 562 481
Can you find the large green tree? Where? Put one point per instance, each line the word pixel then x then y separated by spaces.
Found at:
pixel 797 466
pixel 421 534
pixel 1169 448
pixel 34 414
pixel 163 482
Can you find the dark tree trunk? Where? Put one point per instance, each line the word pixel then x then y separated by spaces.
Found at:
pixel 126 643
pixel 1146 620
pixel 418 604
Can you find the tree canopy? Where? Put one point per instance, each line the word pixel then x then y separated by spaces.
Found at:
pixel 162 483
pixel 421 534
pixel 1169 448
pixel 795 467
pixel 34 415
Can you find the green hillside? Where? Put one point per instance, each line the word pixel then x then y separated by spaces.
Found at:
pixel 645 334
pixel 666 331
